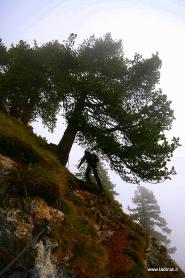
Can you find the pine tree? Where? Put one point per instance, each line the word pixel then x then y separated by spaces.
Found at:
pixel 147 213
pixel 109 103
pixel 115 108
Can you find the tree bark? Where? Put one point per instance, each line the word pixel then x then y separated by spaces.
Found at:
pixel 28 112
pixel 27 116
pixel 65 144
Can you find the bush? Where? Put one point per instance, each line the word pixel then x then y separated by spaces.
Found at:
pixel 83 226
pixel 65 207
pixel 90 258
pixel 35 181
pixel 138 270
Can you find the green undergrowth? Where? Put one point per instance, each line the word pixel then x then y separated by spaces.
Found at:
pixel 90 258
pixel 34 180
pixel 18 141
pixel 76 218
pixel 138 269
pixel 137 237
pixel 39 172
pixel 76 239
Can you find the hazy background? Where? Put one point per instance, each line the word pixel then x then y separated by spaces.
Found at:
pixel 145 28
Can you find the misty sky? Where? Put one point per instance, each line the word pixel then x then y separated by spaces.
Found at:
pixel 144 27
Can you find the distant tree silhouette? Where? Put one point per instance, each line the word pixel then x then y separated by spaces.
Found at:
pixel 147 213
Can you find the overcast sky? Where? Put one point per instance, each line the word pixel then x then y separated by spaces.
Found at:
pixel 144 27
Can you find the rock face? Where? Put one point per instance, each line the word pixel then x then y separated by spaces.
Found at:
pixel 41 210
pixel 6 165
pixel 45 263
pixel 75 234
pixel 18 219
pixel 17 231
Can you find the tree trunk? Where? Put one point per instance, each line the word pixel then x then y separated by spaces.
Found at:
pixel 27 116
pixel 68 138
pixel 66 143
pixel 28 112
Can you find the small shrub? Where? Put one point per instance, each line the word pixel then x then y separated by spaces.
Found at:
pixel 65 207
pixel 19 142
pixel 29 258
pixel 138 270
pixel 21 151
pixel 137 239
pixel 35 181
pixel 90 258
pixel 83 226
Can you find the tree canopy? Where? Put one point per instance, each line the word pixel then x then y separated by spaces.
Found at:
pixel 147 213
pixel 109 102
pixel 30 77
pixel 115 108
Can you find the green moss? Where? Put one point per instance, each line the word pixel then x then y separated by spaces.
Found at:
pixel 79 223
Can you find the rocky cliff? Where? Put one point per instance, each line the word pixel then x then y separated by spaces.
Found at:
pixel 54 225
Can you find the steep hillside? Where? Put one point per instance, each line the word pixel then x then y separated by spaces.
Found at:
pixel 53 225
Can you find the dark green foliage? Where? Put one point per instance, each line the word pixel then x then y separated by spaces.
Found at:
pixel 29 78
pixel 106 181
pixel 147 213
pixel 134 257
